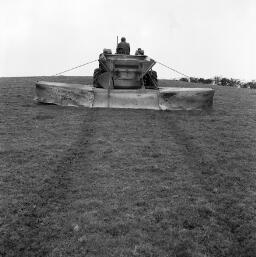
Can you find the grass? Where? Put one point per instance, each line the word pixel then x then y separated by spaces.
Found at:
pixel 108 182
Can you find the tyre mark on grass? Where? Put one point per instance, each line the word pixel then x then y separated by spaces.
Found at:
pixel 236 224
pixel 41 216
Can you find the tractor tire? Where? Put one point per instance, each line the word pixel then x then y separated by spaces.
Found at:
pixel 150 80
pixel 97 72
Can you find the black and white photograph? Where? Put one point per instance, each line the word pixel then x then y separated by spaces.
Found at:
pixel 127 128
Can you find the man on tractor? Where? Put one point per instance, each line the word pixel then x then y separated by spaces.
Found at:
pixel 123 47
pixel 101 69
pixel 139 51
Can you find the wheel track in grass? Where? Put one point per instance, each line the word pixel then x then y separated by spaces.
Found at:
pixel 114 182
pixel 41 216
pixel 224 214
pixel 235 222
pixel 43 222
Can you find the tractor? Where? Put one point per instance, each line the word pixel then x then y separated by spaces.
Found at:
pixel 119 71
pixel 124 81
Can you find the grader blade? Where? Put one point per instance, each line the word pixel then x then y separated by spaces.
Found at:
pixel 85 95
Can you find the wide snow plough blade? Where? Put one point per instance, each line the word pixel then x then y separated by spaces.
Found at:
pixel 162 99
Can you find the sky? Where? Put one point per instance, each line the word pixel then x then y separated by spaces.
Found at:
pixel 201 38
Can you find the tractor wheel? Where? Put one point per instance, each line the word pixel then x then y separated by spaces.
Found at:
pixel 97 72
pixel 153 75
pixel 150 80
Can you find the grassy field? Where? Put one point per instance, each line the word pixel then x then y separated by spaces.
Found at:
pixel 108 182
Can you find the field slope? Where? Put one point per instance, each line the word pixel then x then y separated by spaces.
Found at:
pixel 108 182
